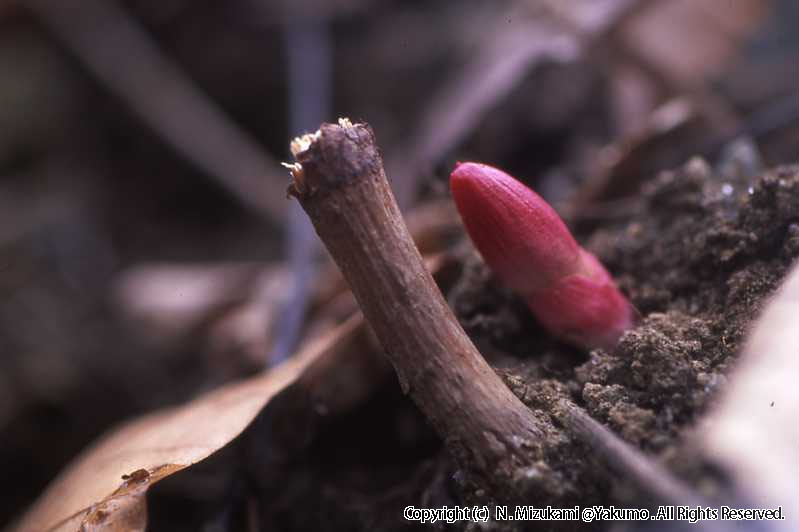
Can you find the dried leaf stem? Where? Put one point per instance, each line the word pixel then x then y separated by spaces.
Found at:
pixel 340 182
pixel 625 460
pixel 114 47
pixel 635 467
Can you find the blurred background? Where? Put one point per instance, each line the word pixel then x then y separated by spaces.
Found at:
pixel 148 252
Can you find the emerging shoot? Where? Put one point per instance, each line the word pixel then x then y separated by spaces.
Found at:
pixel 527 245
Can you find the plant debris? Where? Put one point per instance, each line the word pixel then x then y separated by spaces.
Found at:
pixel 698 255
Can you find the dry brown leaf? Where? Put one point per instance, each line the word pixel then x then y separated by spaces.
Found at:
pixel 124 510
pixel 233 307
pixel 105 486
pixel 753 431
pixel 170 301
pixel 618 168
pixel 690 42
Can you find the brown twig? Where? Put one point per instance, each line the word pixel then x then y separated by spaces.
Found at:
pixel 307 44
pixel 119 52
pixel 507 55
pixel 633 466
pixel 461 104
pixel 340 182
pixel 621 166
pixel 624 459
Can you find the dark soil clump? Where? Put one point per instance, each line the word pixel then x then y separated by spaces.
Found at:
pixel 698 255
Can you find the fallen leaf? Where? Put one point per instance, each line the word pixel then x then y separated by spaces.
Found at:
pixel 752 433
pixel 105 486
pixel 689 42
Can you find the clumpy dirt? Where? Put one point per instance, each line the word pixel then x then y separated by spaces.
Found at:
pixel 698 255
pixel 699 262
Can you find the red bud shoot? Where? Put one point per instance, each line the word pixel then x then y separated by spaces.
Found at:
pixel 527 245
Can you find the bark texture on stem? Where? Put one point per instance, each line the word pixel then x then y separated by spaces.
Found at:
pixel 340 182
pixel 623 459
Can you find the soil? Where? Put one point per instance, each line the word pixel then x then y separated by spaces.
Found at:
pixel 697 253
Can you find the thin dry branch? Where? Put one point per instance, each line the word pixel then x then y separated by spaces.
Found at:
pixel 461 104
pixel 634 467
pixel 340 182
pixel 128 62
pixel 507 56
pixel 625 460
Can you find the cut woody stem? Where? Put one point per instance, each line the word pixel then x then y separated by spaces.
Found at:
pixel 340 182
